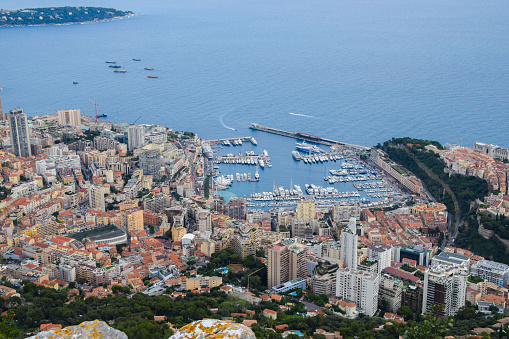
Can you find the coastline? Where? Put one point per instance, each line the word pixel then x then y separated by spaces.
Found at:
pixel 76 23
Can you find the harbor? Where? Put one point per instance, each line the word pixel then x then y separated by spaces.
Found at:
pixel 306 137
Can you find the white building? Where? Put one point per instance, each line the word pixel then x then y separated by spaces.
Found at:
pixel 343 212
pixel 204 221
pixel 96 197
pixel 381 254
pixel 359 287
pixel 135 136
pixel 349 244
pixel 491 271
pixel 445 285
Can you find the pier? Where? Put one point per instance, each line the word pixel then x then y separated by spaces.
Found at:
pixel 306 137
pixel 231 140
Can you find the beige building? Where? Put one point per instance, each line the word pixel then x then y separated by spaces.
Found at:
pixel 306 210
pixel 177 232
pixel 285 263
pixel 96 198
pixel 69 117
pixel 208 248
pixel 132 220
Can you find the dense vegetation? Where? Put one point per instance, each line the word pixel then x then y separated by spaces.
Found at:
pixel 252 267
pixel 58 15
pixel 468 237
pixel 465 188
pixel 134 316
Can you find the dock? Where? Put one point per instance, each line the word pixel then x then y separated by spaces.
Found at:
pixel 306 137
pixel 231 140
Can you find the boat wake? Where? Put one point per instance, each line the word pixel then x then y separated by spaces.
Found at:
pixel 301 115
pixel 224 125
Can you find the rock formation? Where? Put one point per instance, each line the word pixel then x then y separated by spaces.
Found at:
pixel 88 329
pixel 213 329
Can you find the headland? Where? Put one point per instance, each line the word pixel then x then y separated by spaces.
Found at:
pixel 59 16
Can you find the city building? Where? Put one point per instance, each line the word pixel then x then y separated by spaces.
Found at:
pixel 453 259
pixel 306 210
pixel 19 132
pixel 391 290
pixel 349 244
pixel 70 117
pixel 290 285
pixel 412 297
pixel 150 163
pixel 236 208
pixel 419 254
pixel 381 254
pixel 493 272
pixel 135 136
pixel 96 198
pixel 286 261
pixel 343 212
pixel 446 286
pixel 359 287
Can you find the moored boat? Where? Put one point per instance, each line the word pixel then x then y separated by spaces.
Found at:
pixel 111 62
pixel 152 76
pixel 120 71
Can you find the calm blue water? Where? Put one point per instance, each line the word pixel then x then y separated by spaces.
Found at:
pixel 364 70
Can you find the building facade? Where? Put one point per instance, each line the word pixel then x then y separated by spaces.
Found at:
pixel 359 287
pixel 349 244
pixel 135 137
pixel 70 117
pixel 19 132
pixel 96 198
pixel 444 285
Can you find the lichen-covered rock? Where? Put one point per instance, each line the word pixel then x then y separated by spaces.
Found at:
pixel 214 329
pixel 88 329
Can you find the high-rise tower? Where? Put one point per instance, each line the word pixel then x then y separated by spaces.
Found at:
pixel 349 244
pixel 20 134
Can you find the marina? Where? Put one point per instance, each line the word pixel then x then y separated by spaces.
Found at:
pixel 248 159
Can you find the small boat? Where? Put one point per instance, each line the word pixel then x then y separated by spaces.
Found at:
pixel 152 76
pixel 149 69
pixel 136 59
pixel 75 82
pixel 104 115
pixel 111 62
pixel 115 66
pixel 120 71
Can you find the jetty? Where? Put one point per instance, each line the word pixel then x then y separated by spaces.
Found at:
pixel 306 137
pixel 231 140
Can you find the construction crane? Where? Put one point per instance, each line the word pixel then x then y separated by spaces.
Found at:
pixel 457 140
pixel 136 120
pixel 250 274
pixel 95 106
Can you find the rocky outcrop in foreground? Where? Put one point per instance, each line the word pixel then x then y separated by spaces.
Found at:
pixel 214 329
pixel 86 330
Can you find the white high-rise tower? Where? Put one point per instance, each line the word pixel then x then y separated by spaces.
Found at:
pixel 349 244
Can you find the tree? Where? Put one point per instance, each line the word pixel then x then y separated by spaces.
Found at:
pixel 405 311
pixel 81 280
pixel 433 325
pixel 8 328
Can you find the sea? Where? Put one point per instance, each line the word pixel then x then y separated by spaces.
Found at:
pixel 358 71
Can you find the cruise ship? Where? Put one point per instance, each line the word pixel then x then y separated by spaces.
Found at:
pixel 308 148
